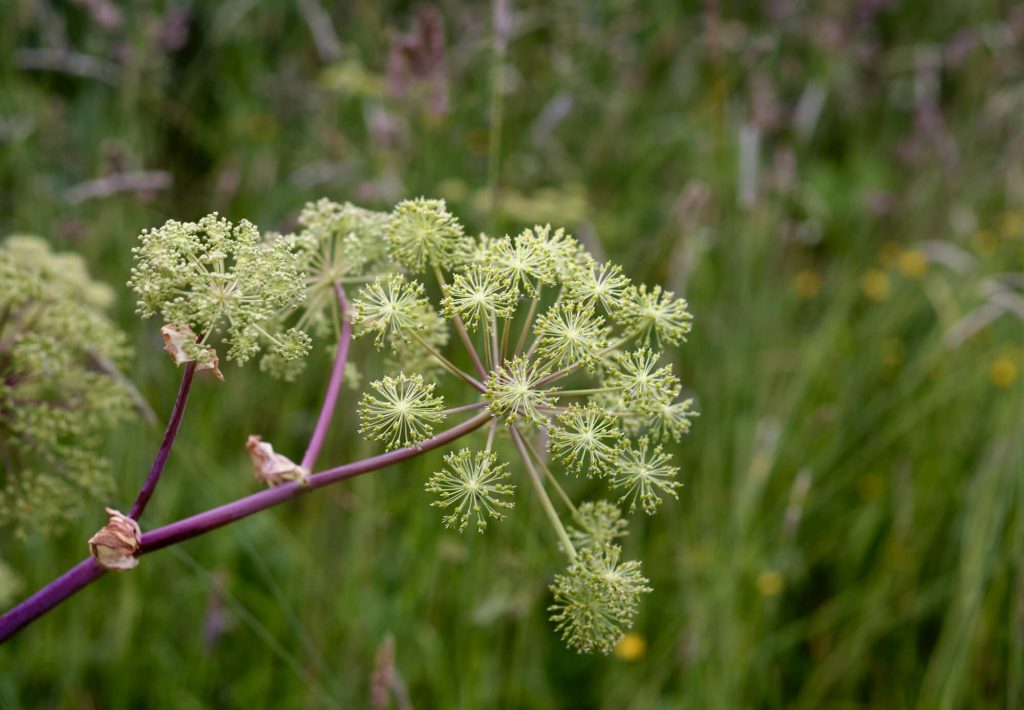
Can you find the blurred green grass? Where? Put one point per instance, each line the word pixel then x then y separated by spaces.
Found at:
pixel 850 532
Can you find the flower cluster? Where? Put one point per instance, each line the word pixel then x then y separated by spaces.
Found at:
pixel 553 342
pixel 60 388
pixel 404 410
pixel 338 244
pixel 213 274
pixel 470 486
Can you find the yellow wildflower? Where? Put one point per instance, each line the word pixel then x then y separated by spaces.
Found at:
pixel 807 284
pixel 913 263
pixel 631 647
pixel 769 583
pixel 1011 224
pixel 984 242
pixel 1003 372
pixel 875 284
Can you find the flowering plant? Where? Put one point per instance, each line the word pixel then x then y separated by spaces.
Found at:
pixel 560 354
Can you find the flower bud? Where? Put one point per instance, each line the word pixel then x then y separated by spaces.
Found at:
pixel 116 546
pixel 270 467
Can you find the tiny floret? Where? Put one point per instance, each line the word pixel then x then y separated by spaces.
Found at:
pixel 471 486
pixel 641 471
pixel 585 439
pixel 562 253
pixel 599 524
pixel 602 284
pixel 513 392
pixel 655 315
pixel 339 243
pixel 570 333
pixel 403 413
pixel 519 260
pixel 479 294
pixel 422 233
pixel 673 419
pixel 643 385
pixel 392 308
pixel 596 599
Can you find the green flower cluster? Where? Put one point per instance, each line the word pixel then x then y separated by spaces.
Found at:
pixel 60 390
pixel 266 293
pixel 554 343
pixel 211 275
pixel 470 486
pixel 338 244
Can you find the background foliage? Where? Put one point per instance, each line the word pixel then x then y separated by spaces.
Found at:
pixel 836 187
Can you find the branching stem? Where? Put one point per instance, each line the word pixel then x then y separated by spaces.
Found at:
pixel 88 570
pixel 173 424
pixel 448 365
pixel 527 323
pixel 323 422
pixel 464 408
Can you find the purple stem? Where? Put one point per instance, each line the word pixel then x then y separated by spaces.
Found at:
pixel 87 571
pixel 464 408
pixel 165 446
pixel 323 423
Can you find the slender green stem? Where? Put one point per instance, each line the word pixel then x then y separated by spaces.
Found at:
pixel 536 341
pixel 551 477
pixel 447 364
pixel 527 323
pixel 583 393
pixel 463 408
pixel 545 501
pixel 576 365
pixel 504 341
pixel 558 374
pixel 365 278
pixel 494 343
pixel 491 434
pixel 488 350
pixel 553 411
pixel 617 344
pixel 265 334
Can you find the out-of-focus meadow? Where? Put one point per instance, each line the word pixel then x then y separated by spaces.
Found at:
pixel 836 187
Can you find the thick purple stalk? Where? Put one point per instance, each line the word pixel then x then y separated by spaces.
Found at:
pixel 173 424
pixel 323 423
pixel 85 572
